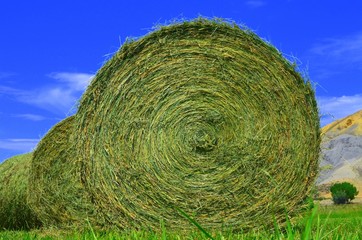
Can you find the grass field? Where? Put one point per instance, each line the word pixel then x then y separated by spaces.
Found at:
pixel 324 222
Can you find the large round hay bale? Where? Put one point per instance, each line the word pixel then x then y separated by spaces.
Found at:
pixel 57 194
pixel 15 213
pixel 202 116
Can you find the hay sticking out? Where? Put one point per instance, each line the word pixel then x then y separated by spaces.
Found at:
pixel 201 116
pixel 58 197
pixel 15 213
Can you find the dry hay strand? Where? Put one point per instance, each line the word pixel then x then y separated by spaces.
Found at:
pixel 203 116
pixel 58 196
pixel 15 213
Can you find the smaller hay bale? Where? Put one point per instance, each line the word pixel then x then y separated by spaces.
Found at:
pixel 15 213
pixel 59 198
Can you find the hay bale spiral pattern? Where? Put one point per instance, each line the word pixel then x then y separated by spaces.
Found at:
pixel 203 116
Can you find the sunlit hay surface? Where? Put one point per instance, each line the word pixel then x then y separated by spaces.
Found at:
pixel 58 196
pixel 15 213
pixel 203 116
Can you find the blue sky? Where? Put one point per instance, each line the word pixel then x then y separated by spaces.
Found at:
pixel 49 50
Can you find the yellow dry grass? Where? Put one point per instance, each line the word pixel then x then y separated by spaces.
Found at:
pixel 351 124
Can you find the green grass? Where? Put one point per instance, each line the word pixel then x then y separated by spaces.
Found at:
pixel 342 220
pixel 323 222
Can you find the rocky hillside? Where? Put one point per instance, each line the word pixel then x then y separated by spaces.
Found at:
pixel 341 158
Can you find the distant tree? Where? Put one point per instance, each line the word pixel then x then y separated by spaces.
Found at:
pixel 343 192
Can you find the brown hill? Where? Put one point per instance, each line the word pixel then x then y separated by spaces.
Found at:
pixel 351 124
pixel 341 157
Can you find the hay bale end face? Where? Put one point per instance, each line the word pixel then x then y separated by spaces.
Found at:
pixel 203 116
pixel 57 194
pixel 15 213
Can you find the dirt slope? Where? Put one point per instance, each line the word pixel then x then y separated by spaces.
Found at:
pixel 341 158
pixel 351 125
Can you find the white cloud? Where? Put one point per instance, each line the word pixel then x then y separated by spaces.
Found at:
pixel 255 3
pixel 6 74
pixel 59 98
pixel 8 90
pixel 54 99
pixel 75 81
pixel 22 145
pixel 62 97
pixel 29 116
pixel 342 50
pixel 333 108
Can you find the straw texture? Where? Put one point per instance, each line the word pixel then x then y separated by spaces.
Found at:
pixel 203 116
pixel 57 194
pixel 15 213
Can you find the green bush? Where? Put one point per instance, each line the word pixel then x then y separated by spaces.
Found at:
pixel 343 192
pixel 340 197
